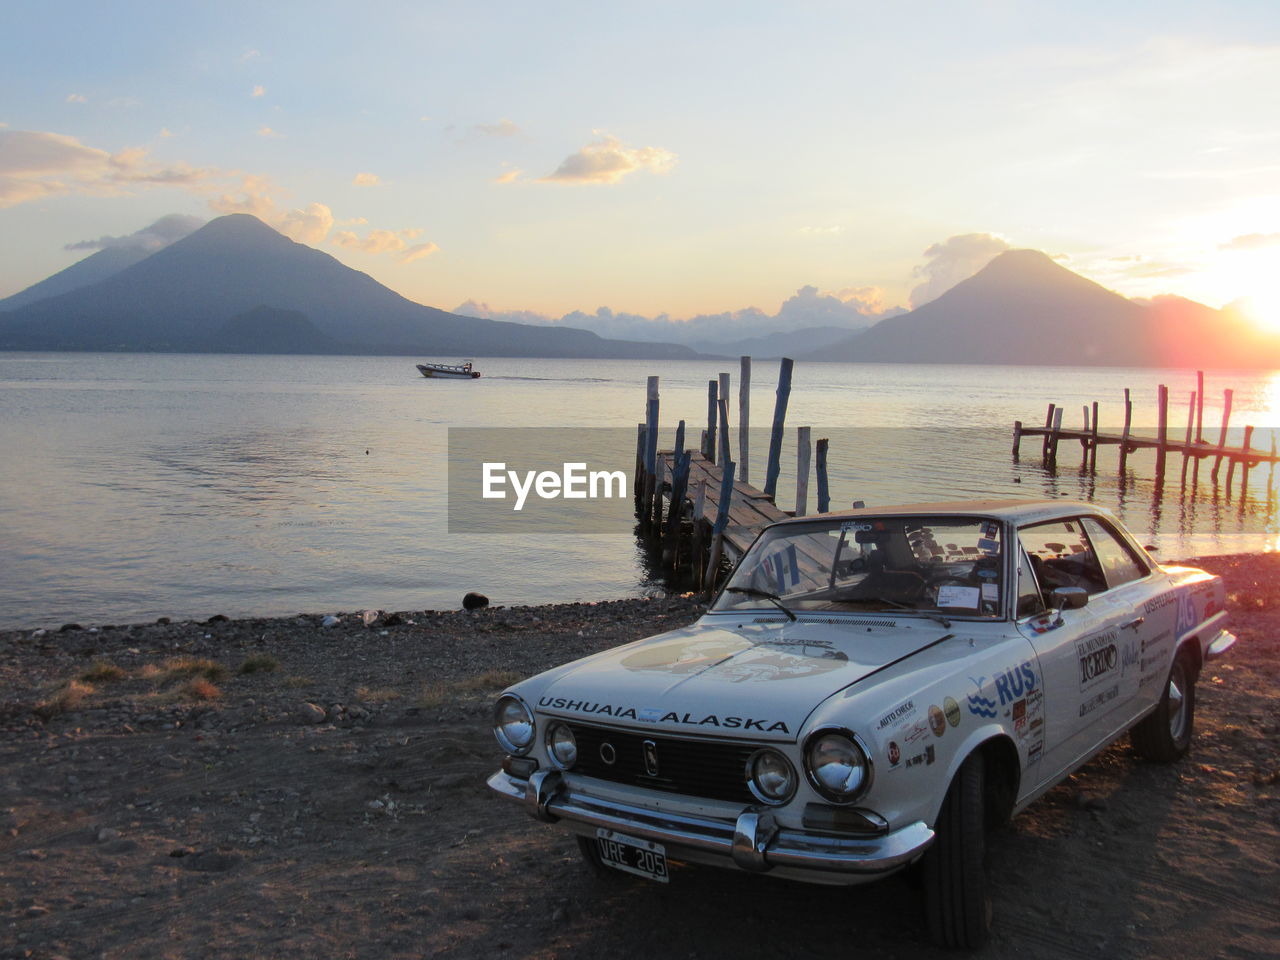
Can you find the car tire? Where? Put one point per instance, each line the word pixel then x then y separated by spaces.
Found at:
pixel 953 872
pixel 1164 735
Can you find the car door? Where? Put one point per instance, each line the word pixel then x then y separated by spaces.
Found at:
pixel 1083 652
pixel 1136 591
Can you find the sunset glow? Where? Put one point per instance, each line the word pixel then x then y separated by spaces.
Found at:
pixel 659 161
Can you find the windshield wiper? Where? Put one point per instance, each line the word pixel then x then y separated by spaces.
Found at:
pixel 763 595
pixel 898 604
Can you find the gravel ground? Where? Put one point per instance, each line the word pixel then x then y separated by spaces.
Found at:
pixel 264 788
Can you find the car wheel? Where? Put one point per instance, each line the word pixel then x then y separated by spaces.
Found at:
pixel 953 872
pixel 1164 735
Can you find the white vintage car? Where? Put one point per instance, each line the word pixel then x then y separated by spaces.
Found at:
pixel 872 690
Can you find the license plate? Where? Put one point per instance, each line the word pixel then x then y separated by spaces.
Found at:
pixel 643 858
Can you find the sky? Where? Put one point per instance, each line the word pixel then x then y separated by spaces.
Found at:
pixel 660 159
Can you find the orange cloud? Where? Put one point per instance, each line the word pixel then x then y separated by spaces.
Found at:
pixel 608 160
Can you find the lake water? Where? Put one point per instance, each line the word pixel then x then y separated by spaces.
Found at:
pixel 135 486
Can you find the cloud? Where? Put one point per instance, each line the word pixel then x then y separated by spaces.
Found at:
pixel 386 241
pixel 160 234
pixel 821 231
pixel 265 131
pixel 608 161
pixel 36 164
pixel 77 98
pixel 853 308
pixel 417 252
pixel 309 224
pixel 259 91
pixel 503 128
pixel 365 180
pixel 955 259
pixel 250 55
pixel 508 176
pixel 1252 241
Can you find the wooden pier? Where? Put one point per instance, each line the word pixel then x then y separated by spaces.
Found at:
pixel 1192 446
pixel 696 507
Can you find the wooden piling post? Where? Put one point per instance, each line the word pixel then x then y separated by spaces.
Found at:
pixel 717 531
pixel 1186 444
pixel 824 493
pixel 679 487
pixel 723 405
pixel 1245 464
pixel 651 447
pixel 1053 437
pixel 699 525
pixel 637 486
pixel 655 508
pixel 779 418
pixel 1222 435
pixel 1017 438
pixel 1199 406
pixel 804 451
pixel 1093 441
pixel 744 418
pixel 1162 431
pixel 1124 437
pixel 709 448
pixel 1048 426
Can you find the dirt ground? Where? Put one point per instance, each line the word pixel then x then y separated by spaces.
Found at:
pixel 278 788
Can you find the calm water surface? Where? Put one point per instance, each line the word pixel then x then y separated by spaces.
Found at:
pixel 134 486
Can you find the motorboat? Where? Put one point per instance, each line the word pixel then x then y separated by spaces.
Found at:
pixel 453 371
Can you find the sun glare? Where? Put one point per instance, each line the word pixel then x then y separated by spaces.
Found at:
pixel 1263 310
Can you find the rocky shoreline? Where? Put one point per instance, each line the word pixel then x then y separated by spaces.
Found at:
pixel 275 787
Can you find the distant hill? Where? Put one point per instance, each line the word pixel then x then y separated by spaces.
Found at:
pixel 82 273
pixel 784 343
pixel 1023 308
pixel 182 298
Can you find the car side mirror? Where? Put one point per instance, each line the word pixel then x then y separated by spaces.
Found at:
pixel 1070 598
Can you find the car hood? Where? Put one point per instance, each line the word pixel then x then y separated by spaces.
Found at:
pixel 755 680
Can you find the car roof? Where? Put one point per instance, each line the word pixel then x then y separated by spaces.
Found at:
pixel 1015 511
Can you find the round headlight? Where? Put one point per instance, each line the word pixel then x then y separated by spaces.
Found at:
pixel 837 765
pixel 513 725
pixel 562 746
pixel 771 777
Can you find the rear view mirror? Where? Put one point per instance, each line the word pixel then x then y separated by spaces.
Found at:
pixel 1070 598
pixel 871 536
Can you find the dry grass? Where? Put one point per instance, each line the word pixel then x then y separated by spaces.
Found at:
pixel 259 663
pixel 102 671
pixel 200 688
pixel 297 682
pixel 67 697
pixel 491 681
pixel 185 668
pixel 377 694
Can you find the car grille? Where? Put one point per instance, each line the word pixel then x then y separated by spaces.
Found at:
pixel 698 768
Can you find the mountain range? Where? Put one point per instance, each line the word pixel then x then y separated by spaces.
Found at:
pixel 237 286
pixel 1023 308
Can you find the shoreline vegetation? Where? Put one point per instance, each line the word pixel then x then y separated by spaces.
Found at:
pixel 273 787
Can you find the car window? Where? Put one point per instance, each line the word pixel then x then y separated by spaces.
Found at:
pixel 914 564
pixel 1119 562
pixel 1063 556
pixel 1030 600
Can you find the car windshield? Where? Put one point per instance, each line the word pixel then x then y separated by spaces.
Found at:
pixel 924 565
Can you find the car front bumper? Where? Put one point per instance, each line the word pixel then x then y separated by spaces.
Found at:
pixel 752 841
